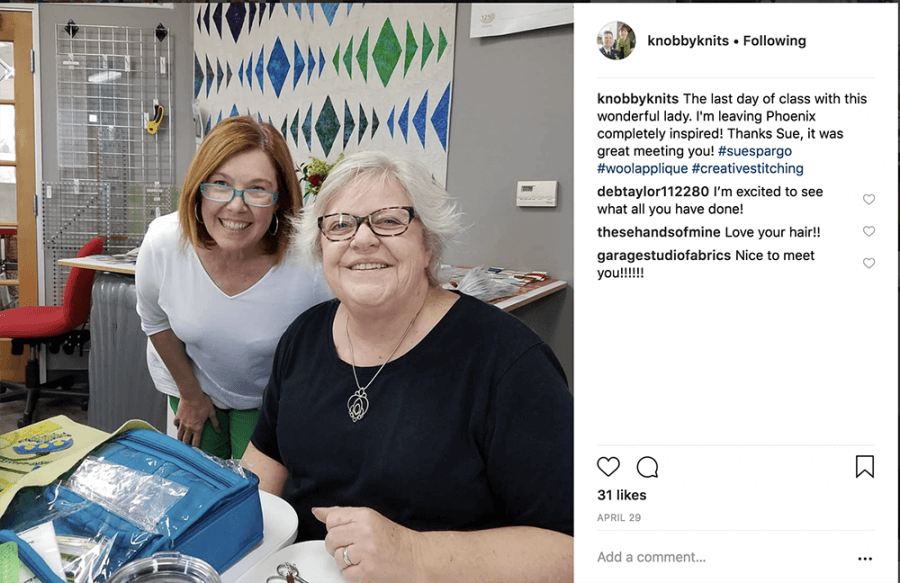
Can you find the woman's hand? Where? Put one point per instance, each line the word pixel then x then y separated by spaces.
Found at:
pixel 191 417
pixel 377 548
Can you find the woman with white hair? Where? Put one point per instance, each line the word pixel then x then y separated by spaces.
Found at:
pixel 424 434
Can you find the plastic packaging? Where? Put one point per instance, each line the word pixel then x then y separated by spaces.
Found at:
pixel 94 541
pixel 478 283
pixel 42 539
pixel 143 499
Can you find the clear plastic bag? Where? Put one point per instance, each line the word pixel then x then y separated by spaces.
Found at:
pixel 142 499
pixel 233 465
pixel 478 283
pixel 92 545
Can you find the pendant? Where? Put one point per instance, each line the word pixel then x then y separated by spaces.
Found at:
pixel 357 405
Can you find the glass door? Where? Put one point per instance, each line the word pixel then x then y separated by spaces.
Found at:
pixel 18 226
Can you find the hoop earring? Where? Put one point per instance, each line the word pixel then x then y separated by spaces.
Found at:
pixel 199 220
pixel 271 232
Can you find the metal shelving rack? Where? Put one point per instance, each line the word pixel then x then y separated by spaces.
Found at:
pixel 114 176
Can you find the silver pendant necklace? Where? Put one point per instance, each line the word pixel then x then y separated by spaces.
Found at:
pixel 358 403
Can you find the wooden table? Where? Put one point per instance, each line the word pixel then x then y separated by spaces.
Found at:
pixel 100 263
pixel 529 293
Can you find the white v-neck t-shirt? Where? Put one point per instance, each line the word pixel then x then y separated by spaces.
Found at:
pixel 230 340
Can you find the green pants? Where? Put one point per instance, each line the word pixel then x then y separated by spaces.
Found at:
pixel 237 426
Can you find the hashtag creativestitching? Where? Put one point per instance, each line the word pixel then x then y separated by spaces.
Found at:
pixel 601 168
pixel 696 168
pixel 721 150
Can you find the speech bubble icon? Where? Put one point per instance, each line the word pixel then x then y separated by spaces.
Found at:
pixel 647 467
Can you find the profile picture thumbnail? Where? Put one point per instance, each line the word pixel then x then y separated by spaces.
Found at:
pixel 616 40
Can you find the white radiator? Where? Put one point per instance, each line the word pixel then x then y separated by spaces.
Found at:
pixel 120 384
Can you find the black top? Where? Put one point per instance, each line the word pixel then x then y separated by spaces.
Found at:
pixel 471 429
pixel 611 53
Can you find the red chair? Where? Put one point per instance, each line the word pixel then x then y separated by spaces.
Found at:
pixel 55 327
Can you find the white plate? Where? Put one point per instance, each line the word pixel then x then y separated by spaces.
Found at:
pixel 310 557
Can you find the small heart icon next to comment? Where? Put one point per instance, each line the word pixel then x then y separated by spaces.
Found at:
pixel 869 231
pixel 608 465
pixel 869 198
pixel 868 262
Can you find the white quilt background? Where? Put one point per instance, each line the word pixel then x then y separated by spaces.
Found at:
pixel 332 77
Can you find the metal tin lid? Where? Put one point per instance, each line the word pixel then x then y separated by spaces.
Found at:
pixel 166 567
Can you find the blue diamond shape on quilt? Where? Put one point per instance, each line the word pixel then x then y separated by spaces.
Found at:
pixel 200 20
pixel 363 124
pixel 295 127
pixel 403 121
pixel 234 111
pixel 251 17
pixel 420 118
pixel 307 128
pixel 220 117
pixel 241 73
pixel 219 75
pixel 198 76
pixel 278 67
pixel 227 75
pixel 206 18
pixel 284 128
pixel 209 76
pixel 235 18
pixel 330 9
pixel 298 8
pixel 312 8
pixel 259 69
pixel 390 121
pixel 310 64
pixel 349 124
pixel 321 61
pixel 217 19
pixel 250 71
pixel 208 125
pixel 327 126
pixel 440 116
pixel 375 122
pixel 299 64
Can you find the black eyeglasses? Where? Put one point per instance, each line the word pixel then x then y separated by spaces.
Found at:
pixel 386 222
pixel 252 196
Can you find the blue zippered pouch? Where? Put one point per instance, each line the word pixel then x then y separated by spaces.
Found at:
pixel 174 498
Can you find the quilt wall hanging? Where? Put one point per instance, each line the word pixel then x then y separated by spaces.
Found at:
pixel 334 78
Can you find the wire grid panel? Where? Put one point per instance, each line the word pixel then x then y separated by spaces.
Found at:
pixel 74 211
pixel 109 79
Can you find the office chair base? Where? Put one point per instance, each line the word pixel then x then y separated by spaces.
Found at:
pixel 61 387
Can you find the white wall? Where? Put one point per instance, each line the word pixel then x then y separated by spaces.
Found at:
pixel 511 120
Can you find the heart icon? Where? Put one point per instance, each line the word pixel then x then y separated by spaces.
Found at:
pixel 869 231
pixel 869 198
pixel 608 465
pixel 868 262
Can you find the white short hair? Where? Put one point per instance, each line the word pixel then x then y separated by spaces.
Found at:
pixel 441 222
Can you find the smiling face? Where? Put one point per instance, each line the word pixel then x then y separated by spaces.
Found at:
pixel 607 40
pixel 623 33
pixel 234 226
pixel 371 271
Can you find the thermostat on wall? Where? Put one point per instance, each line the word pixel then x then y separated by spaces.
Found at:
pixel 537 193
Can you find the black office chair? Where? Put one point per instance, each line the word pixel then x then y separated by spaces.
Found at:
pixel 56 327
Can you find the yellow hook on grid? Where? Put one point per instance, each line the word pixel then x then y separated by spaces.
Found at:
pixel 153 125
